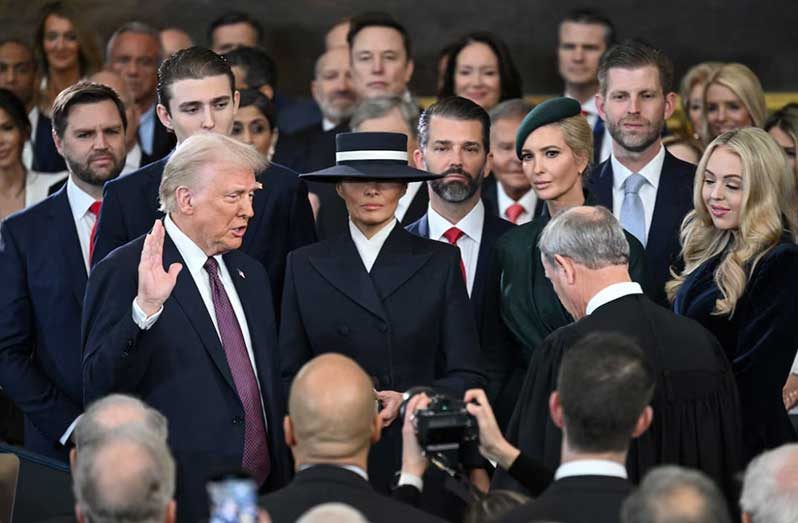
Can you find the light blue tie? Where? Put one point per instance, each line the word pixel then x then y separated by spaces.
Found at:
pixel 633 216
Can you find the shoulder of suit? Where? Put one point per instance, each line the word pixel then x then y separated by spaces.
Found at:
pixel 146 175
pixel 26 217
pixel 278 177
pixel 520 237
pixel 123 256
pixel 679 165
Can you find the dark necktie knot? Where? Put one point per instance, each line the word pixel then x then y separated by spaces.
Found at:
pixel 212 267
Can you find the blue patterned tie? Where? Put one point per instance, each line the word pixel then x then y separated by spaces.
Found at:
pixel 633 216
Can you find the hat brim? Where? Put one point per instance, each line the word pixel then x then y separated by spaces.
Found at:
pixel 371 171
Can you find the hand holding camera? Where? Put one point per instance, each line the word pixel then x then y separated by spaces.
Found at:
pixel 492 444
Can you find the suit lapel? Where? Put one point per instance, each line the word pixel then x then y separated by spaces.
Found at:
pixel 666 207
pixel 63 232
pixel 601 188
pixel 396 262
pixel 489 235
pixel 418 205
pixel 423 226
pixel 188 298
pixel 342 267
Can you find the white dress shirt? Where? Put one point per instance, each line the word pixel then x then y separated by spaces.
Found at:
pixel 407 199
pixel 37 185
pixel 132 160
pixel 27 149
pixel 648 191
pixel 327 125
pixel 527 201
pixel 369 248
pixel 79 202
pixel 590 467
pixel 471 225
pixel 147 129
pixel 592 116
pixel 612 293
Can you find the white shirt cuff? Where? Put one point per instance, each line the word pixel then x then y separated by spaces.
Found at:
pixel 794 369
pixel 65 438
pixel 412 480
pixel 141 319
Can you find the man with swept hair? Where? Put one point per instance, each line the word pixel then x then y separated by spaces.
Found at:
pixel 696 420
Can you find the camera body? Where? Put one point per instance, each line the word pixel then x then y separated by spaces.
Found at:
pixel 445 425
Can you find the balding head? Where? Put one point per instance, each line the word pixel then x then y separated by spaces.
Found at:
pixel 332 411
pixel 770 488
pixel 118 84
pixel 113 412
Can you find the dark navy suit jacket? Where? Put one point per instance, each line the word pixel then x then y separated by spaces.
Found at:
pixel 179 367
pixel 44 278
pixel 283 220
pixel 674 201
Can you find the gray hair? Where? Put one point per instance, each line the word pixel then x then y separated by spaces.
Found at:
pixel 137 28
pixel 512 108
pixel 665 496
pixel 332 513
pixel 126 477
pixel 117 410
pixel 197 151
pixel 770 486
pixel 378 107
pixel 590 236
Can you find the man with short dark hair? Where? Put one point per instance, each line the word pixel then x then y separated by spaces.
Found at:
pixel 648 189
pixel 382 59
pixel 18 75
pixel 583 36
pixel 45 254
pixel 234 29
pixel 696 419
pixel 196 93
pixel 253 68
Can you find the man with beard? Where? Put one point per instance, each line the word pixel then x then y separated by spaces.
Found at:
pixel 648 189
pixel 45 252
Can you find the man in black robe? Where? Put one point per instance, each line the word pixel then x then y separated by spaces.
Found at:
pixel 696 413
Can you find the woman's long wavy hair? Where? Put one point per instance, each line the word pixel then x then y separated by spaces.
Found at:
pixel 769 209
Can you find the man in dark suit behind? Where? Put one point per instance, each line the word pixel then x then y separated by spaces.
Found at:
pixel 182 319
pixel 196 93
pixel 331 425
pixel 648 189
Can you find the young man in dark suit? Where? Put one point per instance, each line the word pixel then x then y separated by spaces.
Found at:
pixel 331 424
pixel 45 253
pixel 648 189
pixel 196 93
pixel 183 319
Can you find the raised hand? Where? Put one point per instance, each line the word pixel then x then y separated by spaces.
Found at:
pixel 155 284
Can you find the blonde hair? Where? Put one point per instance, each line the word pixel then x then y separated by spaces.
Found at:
pixel 698 74
pixel 578 136
pixel 197 151
pixel 769 207
pixel 745 85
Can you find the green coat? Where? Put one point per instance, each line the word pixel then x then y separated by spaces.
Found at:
pixel 529 306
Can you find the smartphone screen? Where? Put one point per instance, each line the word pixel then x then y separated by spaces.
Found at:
pixel 233 500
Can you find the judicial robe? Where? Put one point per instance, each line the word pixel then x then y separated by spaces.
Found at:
pixel 696 422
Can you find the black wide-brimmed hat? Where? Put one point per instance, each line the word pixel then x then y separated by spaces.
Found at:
pixel 370 156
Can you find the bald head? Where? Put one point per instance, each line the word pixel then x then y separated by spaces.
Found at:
pixel 113 412
pixel 332 408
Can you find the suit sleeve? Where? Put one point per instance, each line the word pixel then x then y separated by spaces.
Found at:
pixel 302 229
pixel 459 350
pixel 47 407
pixel 114 360
pixel 294 347
pixel 111 231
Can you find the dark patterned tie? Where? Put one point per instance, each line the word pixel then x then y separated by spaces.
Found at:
pixel 256 449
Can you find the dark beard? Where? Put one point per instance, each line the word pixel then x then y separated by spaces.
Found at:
pixel 456 192
pixel 86 174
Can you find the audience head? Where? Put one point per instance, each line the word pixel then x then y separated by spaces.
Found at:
pixel 234 29
pixel 174 39
pixel 454 140
pixel 332 513
pixel 505 119
pixel 17 69
pixel 381 55
pixel 336 35
pixel 481 69
pixel 14 129
pixel 132 113
pixel 441 64
pixel 134 52
pixel 62 43
pixel 332 412
pixel 671 494
pixel 113 412
pixel 604 386
pixel 635 95
pixel 691 92
pixel 493 506
pixel 125 477
pixel 255 122
pixel 583 36
pixel 89 125
pixel 770 487
pixel 733 98
pixel 577 246
pixel 253 68
pixel 332 85
pixel 783 127
pixel 196 92
pixel 388 114
pixel 197 184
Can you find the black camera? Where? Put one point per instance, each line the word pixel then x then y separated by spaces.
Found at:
pixel 445 425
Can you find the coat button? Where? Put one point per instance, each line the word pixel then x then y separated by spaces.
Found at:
pixel 130 343
pixel 237 420
pixel 343 330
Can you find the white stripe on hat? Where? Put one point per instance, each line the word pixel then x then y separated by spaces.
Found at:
pixel 348 156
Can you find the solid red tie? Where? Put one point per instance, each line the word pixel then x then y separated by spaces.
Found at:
pixel 95 210
pixel 452 235
pixel 514 211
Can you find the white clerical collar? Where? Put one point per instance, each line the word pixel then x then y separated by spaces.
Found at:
pixel 590 467
pixel 471 224
pixel 612 293
pixel 79 200
pixel 192 255
pixel 651 172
